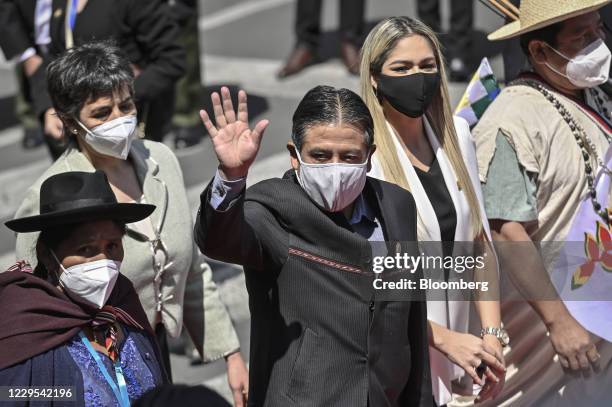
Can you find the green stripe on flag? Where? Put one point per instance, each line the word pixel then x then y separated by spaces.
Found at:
pixel 480 106
pixel 490 83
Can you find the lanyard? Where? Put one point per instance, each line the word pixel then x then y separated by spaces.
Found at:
pixel 121 394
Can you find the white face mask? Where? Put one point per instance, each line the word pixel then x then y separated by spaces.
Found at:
pixel 332 186
pixel 92 282
pixel 113 138
pixel 589 68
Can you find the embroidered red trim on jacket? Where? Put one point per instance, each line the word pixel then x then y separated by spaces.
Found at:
pixel 324 261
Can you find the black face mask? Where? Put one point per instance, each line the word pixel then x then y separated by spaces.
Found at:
pixel 410 94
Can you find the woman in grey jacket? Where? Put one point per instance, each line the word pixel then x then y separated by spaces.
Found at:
pixel 92 91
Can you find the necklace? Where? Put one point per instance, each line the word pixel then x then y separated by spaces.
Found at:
pixel 585 143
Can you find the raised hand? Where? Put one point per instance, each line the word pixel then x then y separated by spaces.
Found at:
pixel 235 144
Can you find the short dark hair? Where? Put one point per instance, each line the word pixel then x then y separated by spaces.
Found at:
pixel 547 34
pixel 324 105
pixel 87 72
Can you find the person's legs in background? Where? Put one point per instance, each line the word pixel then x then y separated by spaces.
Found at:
pixel 352 15
pixel 157 115
pixel 307 31
pixel 429 13
pixel 460 39
pixel 32 132
pixel 308 23
pixel 186 123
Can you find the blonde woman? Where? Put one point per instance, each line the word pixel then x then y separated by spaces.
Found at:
pixel 423 149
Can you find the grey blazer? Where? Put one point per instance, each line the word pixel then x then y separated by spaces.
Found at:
pixel 186 291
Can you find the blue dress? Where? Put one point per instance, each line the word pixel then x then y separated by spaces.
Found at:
pixel 71 365
pixel 97 392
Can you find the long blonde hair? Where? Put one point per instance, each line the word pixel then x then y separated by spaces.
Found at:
pixel 376 49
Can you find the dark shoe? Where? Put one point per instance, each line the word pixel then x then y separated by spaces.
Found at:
pixel 459 71
pixel 350 56
pixel 299 59
pixel 185 137
pixel 195 359
pixel 32 138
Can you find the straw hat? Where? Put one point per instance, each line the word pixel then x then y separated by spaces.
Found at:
pixel 536 14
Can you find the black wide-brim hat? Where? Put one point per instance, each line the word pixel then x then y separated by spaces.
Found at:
pixel 78 197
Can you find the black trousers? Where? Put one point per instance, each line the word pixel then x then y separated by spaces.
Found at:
pixel 308 21
pixel 26 113
pixel 461 22
pixel 162 341
pixel 157 115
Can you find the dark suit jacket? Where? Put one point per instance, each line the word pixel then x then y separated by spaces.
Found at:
pixel 317 338
pixel 142 28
